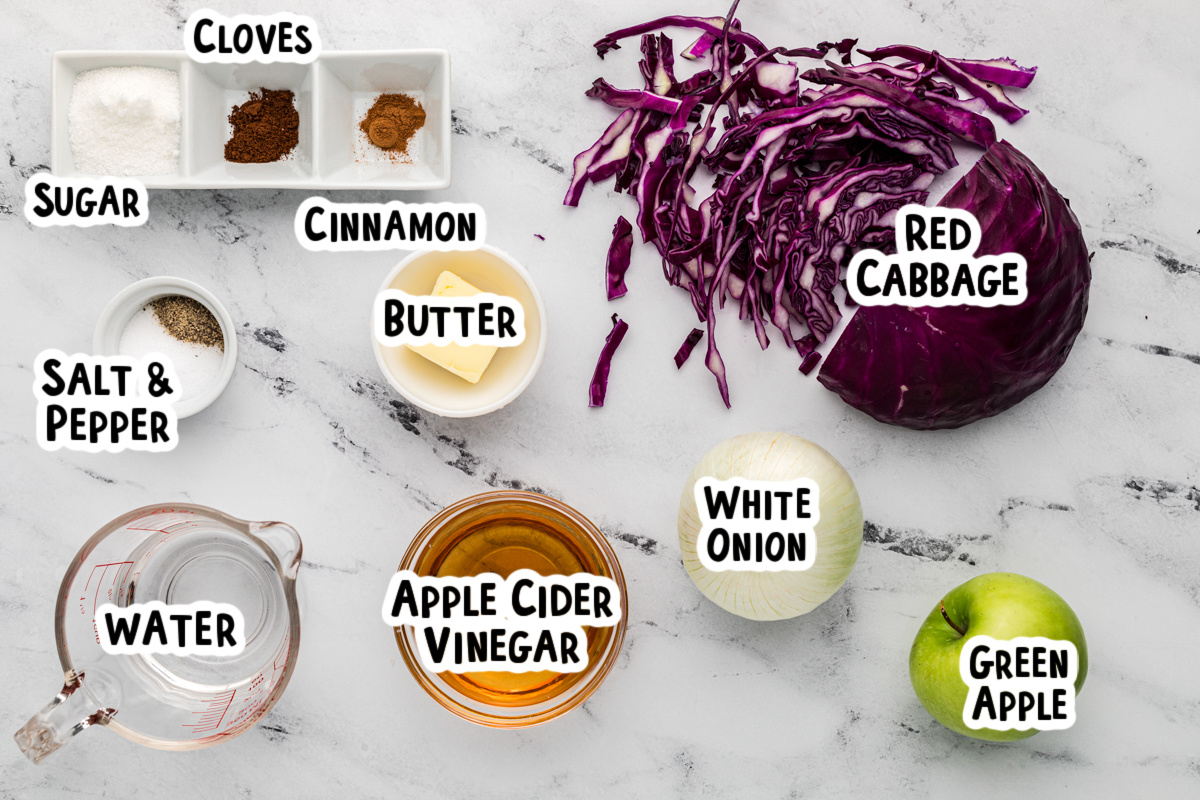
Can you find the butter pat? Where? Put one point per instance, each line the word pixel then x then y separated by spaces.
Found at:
pixel 467 363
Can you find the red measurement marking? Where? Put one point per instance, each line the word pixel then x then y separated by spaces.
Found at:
pixel 99 584
pixel 211 718
pixel 284 651
pixel 98 566
pixel 103 571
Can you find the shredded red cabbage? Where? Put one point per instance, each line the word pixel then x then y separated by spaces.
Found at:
pixel 617 262
pixel 966 74
pixel 809 166
pixel 810 362
pixel 599 385
pixel 685 349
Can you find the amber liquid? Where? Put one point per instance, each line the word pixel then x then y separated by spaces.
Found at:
pixel 508 537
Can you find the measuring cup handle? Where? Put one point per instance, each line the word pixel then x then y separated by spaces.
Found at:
pixel 283 541
pixel 52 727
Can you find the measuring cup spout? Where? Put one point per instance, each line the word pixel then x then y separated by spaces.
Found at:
pixel 66 715
pixel 283 541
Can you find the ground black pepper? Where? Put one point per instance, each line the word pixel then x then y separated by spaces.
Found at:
pixel 188 320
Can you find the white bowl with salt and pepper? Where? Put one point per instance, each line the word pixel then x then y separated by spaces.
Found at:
pixel 127 316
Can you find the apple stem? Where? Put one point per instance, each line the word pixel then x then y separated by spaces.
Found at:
pixel 950 622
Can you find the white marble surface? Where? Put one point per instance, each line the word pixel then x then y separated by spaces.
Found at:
pixel 1089 486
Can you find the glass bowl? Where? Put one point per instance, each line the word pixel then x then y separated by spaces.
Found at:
pixel 490 515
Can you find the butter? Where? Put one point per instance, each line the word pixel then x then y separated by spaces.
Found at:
pixel 467 363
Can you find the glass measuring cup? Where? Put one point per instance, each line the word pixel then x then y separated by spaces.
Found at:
pixel 175 554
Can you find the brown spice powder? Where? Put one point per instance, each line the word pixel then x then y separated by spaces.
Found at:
pixel 188 320
pixel 392 121
pixel 265 128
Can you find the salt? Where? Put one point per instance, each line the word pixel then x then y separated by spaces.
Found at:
pixel 125 121
pixel 196 366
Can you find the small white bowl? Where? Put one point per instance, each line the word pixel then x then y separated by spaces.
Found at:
pixel 432 388
pixel 128 301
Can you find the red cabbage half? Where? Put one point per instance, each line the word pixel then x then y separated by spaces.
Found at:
pixel 933 368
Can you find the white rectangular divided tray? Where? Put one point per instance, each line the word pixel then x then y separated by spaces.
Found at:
pixel 333 93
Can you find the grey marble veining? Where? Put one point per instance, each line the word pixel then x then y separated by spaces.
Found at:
pixel 1090 485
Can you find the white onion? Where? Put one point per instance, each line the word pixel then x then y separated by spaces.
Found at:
pixel 777 595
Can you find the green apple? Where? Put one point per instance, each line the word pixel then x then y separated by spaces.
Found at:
pixel 1001 605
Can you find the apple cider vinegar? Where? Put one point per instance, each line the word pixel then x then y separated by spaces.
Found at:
pixel 501 537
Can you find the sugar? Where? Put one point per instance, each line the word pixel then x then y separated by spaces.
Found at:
pixel 196 366
pixel 125 121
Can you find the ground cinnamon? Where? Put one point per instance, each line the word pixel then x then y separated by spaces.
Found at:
pixel 392 121
pixel 265 128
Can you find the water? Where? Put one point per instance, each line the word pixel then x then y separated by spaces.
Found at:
pixel 221 566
